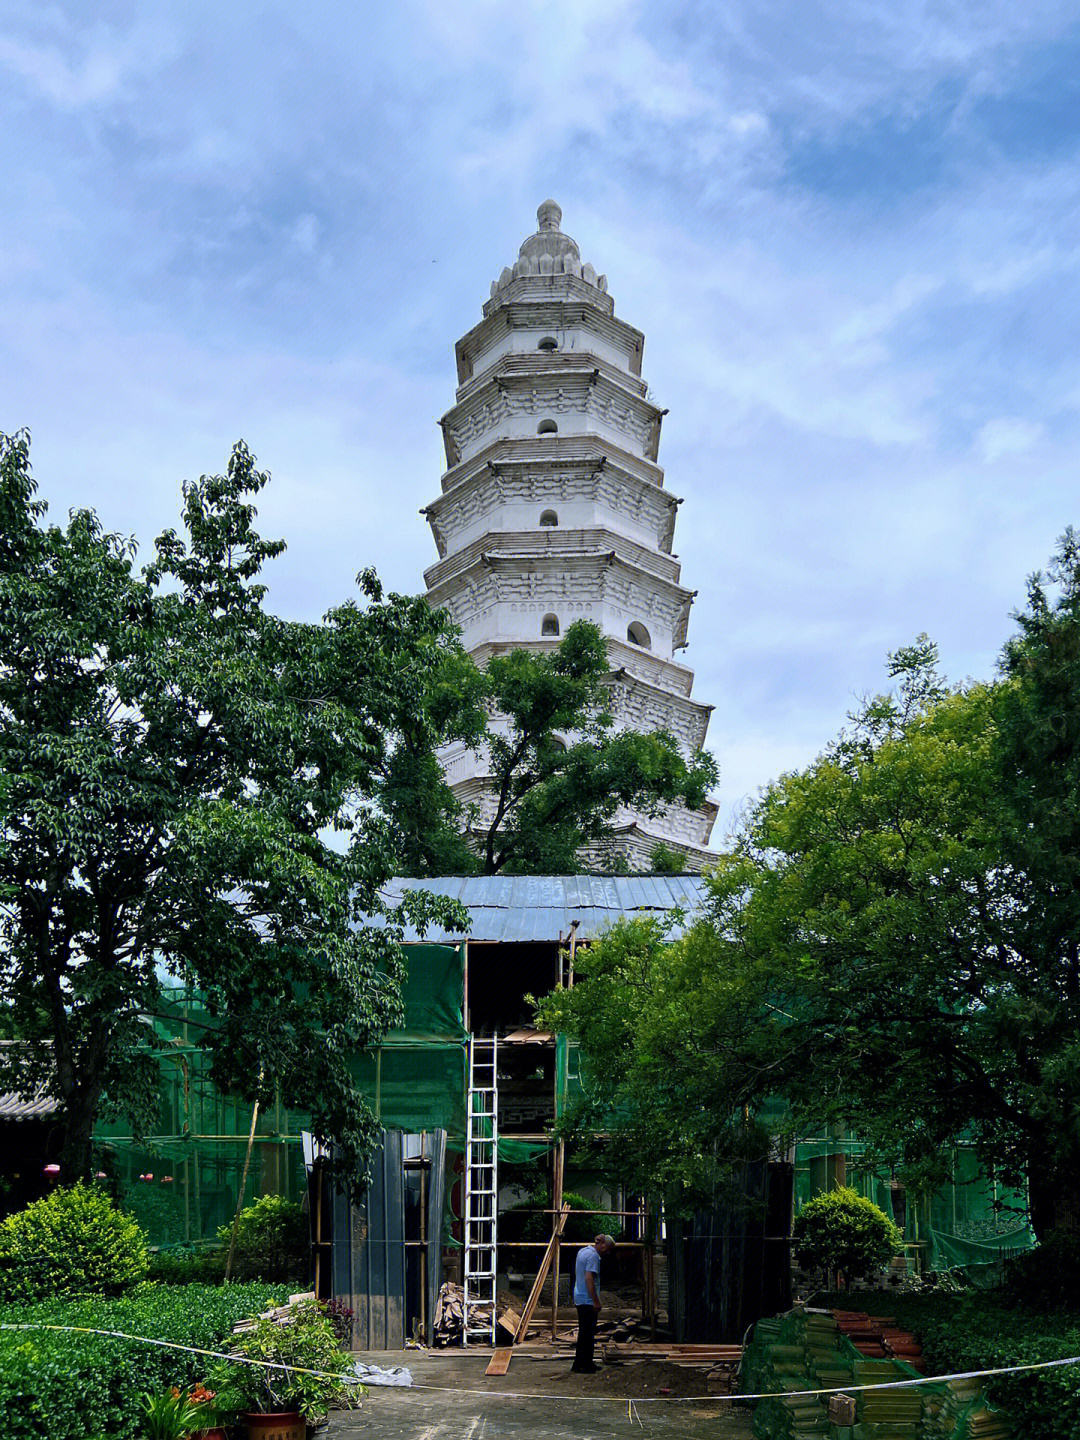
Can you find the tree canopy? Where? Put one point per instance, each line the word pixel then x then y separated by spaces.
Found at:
pixel 558 769
pixel 892 943
pixel 189 787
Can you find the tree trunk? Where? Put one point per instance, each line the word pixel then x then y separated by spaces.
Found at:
pixel 80 1112
pixel 1053 1198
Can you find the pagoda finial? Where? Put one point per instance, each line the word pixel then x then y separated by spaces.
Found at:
pixel 549 215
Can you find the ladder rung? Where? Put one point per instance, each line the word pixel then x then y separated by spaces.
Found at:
pixel 481 1165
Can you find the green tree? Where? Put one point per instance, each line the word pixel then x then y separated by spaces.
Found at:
pixel 665 1029
pixel 1037 753
pixel 896 932
pixel 842 1231
pixel 558 769
pixel 412 789
pixel 189 784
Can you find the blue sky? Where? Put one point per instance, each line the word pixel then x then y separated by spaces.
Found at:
pixel 849 230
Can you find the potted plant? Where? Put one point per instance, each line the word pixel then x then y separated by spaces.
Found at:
pixel 301 1372
pixel 210 1426
pixel 171 1416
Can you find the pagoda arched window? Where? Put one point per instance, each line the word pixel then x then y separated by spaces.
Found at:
pixel 638 635
pixel 549 625
pixel 547 427
pixel 548 344
pixel 549 517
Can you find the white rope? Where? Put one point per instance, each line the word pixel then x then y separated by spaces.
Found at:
pixel 187 1349
pixel 577 1399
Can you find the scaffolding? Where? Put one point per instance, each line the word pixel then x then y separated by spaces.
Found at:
pixel 182 1180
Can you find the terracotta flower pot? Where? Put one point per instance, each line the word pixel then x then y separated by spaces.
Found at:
pixel 216 1432
pixel 281 1425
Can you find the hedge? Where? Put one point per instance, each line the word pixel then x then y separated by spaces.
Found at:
pixel 980 1330
pixel 67 1386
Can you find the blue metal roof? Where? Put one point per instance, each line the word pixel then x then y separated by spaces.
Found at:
pixel 543 907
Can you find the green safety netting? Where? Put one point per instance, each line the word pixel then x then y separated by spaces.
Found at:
pixel 972 1222
pixel 521 1152
pixel 433 992
pixel 413 1087
pixel 182 1181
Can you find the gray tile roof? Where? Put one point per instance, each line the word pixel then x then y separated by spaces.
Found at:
pixel 14 1106
pixel 543 907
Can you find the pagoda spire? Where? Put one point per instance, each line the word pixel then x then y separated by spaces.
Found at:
pixel 553 509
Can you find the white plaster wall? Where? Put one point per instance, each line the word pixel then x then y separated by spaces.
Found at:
pixel 572 340
pixel 616 618
pixel 573 515
pixel 570 422
pixel 517 620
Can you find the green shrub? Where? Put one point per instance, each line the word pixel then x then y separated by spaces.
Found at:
pixel 519 1224
pixel 187 1267
pixel 271 1245
pixel 308 1342
pixel 67 1386
pixel 272 1242
pixel 73 1242
pixel 842 1232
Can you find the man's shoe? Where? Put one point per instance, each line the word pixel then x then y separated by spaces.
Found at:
pixel 584 1369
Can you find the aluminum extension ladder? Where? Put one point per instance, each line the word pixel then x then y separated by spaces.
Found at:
pixel 481 1192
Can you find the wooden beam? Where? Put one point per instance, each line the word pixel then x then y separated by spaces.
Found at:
pixel 557 1202
pixel 541 1274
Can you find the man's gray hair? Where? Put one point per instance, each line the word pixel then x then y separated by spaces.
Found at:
pixel 604 1240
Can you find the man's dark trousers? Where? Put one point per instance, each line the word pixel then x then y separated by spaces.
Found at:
pixel 586 1334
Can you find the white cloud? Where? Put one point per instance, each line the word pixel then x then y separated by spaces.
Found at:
pixel 1007 435
pixel 209 238
pixel 87 65
pixel 305 233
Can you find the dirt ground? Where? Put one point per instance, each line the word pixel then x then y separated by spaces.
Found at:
pixel 539 1399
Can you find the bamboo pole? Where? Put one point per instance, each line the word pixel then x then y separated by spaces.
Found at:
pixel 243 1182
pixel 424 1259
pixel 316 1178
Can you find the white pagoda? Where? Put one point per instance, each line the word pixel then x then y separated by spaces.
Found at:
pixel 553 509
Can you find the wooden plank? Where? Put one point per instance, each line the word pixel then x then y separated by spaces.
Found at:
pixel 510 1320
pixel 500 1361
pixel 541 1274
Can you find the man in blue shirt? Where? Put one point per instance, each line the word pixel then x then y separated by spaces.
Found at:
pixel 587 1300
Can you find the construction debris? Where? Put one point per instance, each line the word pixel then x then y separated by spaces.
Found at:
pixel 450 1314
pixel 280 1314
pixel 818 1351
